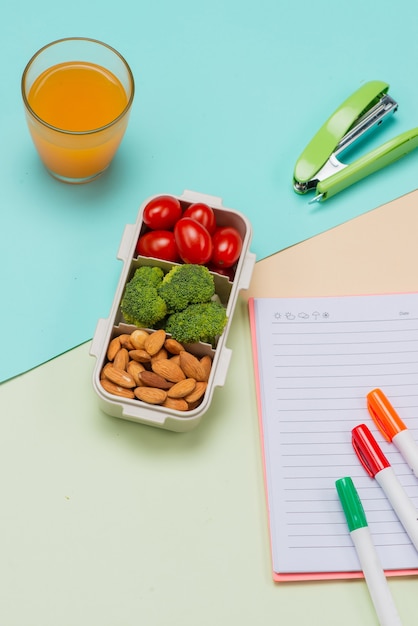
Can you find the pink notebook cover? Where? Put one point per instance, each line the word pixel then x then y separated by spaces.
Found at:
pixel 305 576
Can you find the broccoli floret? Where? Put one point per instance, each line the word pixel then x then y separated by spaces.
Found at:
pixel 141 305
pixel 149 276
pixel 186 284
pixel 198 322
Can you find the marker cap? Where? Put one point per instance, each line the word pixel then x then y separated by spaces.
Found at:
pixel 368 450
pixel 351 503
pixel 384 415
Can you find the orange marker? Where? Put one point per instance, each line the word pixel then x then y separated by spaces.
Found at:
pixel 392 427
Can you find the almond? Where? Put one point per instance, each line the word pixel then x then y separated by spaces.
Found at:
pixel 138 338
pixel 178 404
pixel 206 363
pixel 117 390
pixel 113 348
pixel 193 405
pixel 150 395
pixel 134 369
pixel 173 346
pixel 125 341
pixel 161 354
pixel 120 377
pixel 197 393
pixel 151 379
pixel 121 359
pixel 168 370
pixel 182 388
pixel 140 355
pixel 154 342
pixel 191 366
pixel 106 367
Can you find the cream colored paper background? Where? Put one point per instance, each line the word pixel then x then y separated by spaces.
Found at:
pixel 374 253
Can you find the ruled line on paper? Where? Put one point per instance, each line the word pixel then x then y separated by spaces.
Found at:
pixel 318 358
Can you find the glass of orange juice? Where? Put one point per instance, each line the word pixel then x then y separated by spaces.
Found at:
pixel 77 94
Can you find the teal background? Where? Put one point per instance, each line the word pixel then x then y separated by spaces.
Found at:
pixel 228 94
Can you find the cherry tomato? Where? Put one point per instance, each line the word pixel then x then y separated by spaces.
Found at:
pixel 159 244
pixel 162 212
pixel 202 213
pixel 227 246
pixel 229 272
pixel 193 241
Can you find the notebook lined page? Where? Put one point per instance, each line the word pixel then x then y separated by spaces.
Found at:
pixel 317 359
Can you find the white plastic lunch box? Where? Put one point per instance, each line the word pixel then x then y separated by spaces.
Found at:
pixel 227 290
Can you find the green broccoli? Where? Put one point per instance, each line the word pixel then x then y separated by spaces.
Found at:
pixel 149 276
pixel 186 284
pixel 198 322
pixel 141 305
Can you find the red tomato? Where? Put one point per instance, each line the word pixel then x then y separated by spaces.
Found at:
pixel 202 213
pixel 162 213
pixel 159 244
pixel 229 272
pixel 227 246
pixel 193 241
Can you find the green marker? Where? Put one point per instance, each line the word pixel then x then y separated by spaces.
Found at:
pixel 369 560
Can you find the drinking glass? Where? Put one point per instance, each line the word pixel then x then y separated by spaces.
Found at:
pixel 77 93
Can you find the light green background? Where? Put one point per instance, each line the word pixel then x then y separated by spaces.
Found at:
pixel 228 94
pixel 110 523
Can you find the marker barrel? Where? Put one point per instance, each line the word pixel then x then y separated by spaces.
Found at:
pixel 408 448
pixel 375 578
pixel 401 504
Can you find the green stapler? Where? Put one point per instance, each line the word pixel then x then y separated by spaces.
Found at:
pixel 318 166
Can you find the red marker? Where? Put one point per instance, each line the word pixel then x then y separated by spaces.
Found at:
pixel 377 466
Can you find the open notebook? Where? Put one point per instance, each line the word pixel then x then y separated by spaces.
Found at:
pixel 315 361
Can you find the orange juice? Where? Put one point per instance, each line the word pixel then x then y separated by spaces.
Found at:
pixel 77 96
pixel 77 114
